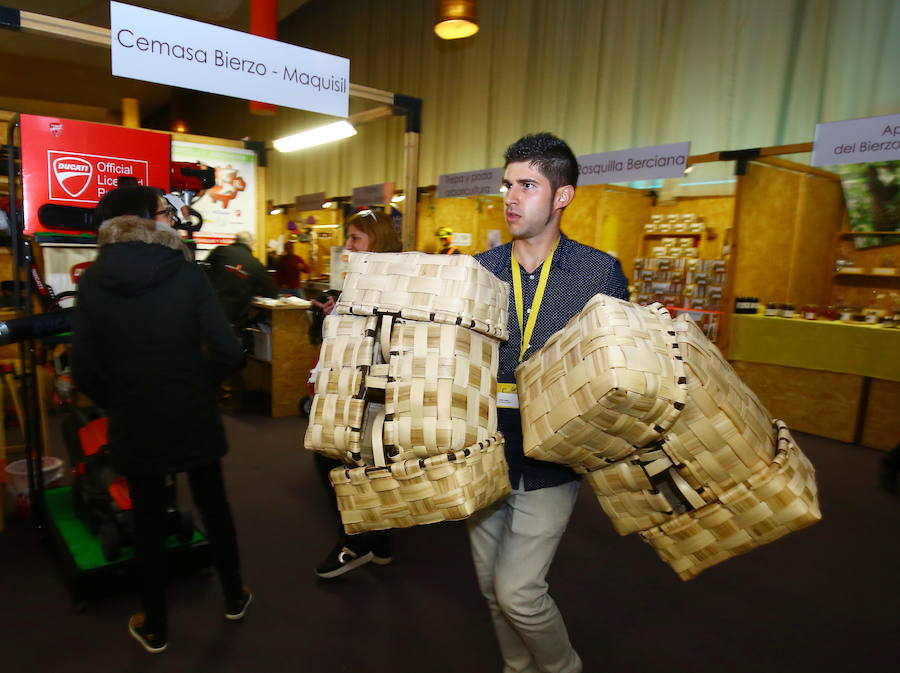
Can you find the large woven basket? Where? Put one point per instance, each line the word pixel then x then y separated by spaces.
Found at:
pixel 435 393
pixel 338 415
pixel 447 487
pixel 722 437
pixel 448 289
pixel 764 507
pixel 441 389
pixel 608 383
pixel 702 481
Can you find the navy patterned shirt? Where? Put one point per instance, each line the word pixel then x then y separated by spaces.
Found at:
pixel 578 272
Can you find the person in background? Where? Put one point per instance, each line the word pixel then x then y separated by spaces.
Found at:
pixel 367 231
pixel 271 258
pixel 237 276
pixel 150 344
pixel 445 237
pixel 288 270
pixel 514 542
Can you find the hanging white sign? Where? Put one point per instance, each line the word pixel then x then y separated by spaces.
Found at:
pixel 157 47
pixel 312 201
pixel 371 195
pixel 470 183
pixel 857 141
pixel 640 163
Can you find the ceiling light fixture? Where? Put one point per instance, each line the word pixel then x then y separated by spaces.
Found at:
pixel 313 137
pixel 455 19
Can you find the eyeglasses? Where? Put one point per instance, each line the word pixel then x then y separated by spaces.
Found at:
pixel 169 212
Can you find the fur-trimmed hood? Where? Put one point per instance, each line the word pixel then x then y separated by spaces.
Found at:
pixel 137 254
pixel 130 228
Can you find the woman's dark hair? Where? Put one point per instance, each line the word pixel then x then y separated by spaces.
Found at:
pixel 138 201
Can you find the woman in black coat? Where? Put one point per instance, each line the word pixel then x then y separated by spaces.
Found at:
pixel 151 345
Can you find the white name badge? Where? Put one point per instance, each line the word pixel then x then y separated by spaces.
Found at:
pixel 507 396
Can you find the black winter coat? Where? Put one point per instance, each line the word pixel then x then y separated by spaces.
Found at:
pixel 151 345
pixel 237 277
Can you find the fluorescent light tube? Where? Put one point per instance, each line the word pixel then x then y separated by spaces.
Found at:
pixel 313 137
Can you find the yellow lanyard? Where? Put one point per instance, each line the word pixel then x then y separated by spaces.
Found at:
pixel 527 329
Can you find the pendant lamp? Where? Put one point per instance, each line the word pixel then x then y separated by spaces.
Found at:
pixel 455 19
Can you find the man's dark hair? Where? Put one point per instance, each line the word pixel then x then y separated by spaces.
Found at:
pixel 550 155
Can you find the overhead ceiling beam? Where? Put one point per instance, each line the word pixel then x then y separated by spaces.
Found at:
pixel 50 25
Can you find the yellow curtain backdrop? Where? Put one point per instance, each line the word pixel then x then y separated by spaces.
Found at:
pixel 603 74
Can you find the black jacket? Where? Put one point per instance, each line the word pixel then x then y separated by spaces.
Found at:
pixel 150 345
pixel 237 277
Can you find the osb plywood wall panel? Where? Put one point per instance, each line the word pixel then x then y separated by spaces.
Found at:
pixel 621 215
pixel 767 209
pixel 490 218
pixel 716 212
pixel 460 214
pixel 820 403
pixel 579 221
pixel 819 216
pixel 880 429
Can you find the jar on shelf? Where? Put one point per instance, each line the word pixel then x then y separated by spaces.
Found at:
pixel 788 311
pixel 810 312
pixel 772 309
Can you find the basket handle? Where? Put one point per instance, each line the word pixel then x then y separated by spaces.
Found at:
pixel 378 456
pixel 387 322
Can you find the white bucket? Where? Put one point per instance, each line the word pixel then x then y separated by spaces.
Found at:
pixel 17 480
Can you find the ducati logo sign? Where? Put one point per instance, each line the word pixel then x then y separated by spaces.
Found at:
pixel 74 164
pixel 85 178
pixel 73 174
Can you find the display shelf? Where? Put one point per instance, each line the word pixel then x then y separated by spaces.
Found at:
pixel 878 276
pixel 692 310
pixel 672 235
pixel 851 234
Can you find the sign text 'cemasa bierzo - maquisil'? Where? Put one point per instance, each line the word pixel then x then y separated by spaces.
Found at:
pixel 641 163
pixel 857 141
pixel 157 47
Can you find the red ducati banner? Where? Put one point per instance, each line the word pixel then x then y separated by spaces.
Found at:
pixel 69 165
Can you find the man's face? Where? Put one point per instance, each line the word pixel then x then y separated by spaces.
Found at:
pixel 528 200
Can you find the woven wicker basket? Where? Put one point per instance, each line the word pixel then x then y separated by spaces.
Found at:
pixel 606 384
pixel 441 389
pixel 337 417
pixel 722 437
pixel 447 487
pixel 766 506
pixel 447 289
pixel 724 433
pixel 436 393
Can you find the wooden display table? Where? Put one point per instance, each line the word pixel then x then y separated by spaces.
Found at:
pixel 286 373
pixel 833 379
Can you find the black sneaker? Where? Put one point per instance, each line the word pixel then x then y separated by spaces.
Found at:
pixel 380 542
pixel 154 643
pixel 235 610
pixel 340 560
